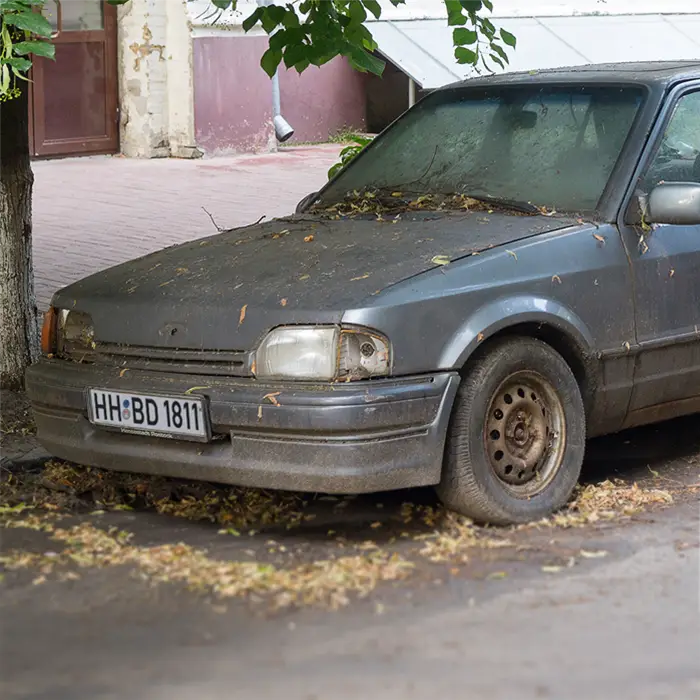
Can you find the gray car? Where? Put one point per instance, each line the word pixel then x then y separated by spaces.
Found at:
pixel 511 267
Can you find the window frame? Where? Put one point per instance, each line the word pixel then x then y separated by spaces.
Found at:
pixel 630 216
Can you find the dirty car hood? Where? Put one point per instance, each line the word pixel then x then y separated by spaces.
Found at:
pixel 226 291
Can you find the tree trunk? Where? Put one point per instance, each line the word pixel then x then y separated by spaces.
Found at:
pixel 19 337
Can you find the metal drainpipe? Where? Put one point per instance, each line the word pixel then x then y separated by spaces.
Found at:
pixel 283 130
pixel 411 93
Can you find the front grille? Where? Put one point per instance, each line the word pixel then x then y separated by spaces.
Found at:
pixel 176 361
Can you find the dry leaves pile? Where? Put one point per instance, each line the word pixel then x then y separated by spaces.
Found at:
pixel 455 538
pixel 609 500
pixel 64 485
pixel 327 583
pixel 393 204
pixel 440 536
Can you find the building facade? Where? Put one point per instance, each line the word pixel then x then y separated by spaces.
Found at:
pixel 173 78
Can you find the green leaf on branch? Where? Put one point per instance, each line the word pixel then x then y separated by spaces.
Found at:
pixel 465 55
pixel 18 64
pixel 270 61
pixel 12 6
pixel 357 12
pixel 487 27
pixel 291 19
pixel 276 13
pixel 294 55
pixel 497 60
pixel 471 5
pixel 462 36
pixel 31 22
pixel 374 7
pixel 278 40
pixel 364 61
pixel 499 50
pixel 508 38
pixel 250 21
pixel 38 48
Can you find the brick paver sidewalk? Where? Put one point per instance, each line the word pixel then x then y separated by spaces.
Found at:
pixel 91 213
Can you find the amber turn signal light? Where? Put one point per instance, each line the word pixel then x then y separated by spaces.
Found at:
pixel 48 332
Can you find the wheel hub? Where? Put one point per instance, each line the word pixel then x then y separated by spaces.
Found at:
pixel 521 430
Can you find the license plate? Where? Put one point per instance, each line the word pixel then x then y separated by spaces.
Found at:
pixel 158 416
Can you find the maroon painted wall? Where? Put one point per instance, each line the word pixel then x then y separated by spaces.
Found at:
pixel 233 97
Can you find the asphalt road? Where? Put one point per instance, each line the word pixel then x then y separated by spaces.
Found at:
pixel 621 627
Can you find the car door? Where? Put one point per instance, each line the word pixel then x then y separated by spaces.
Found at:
pixel 665 263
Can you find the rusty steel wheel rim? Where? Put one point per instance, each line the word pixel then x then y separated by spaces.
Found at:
pixel 525 433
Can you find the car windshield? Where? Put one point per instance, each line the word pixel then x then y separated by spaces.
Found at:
pixel 554 147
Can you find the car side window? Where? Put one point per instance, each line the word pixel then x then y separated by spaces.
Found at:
pixel 678 157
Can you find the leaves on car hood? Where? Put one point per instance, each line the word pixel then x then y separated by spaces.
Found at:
pixel 296 270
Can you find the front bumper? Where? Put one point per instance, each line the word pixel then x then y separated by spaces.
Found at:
pixel 334 438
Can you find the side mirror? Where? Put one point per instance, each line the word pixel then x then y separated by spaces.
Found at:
pixel 308 200
pixel 675 203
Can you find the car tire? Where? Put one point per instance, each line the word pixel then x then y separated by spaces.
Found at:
pixel 517 435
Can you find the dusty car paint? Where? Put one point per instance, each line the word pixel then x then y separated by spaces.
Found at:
pixel 278 275
pixel 625 316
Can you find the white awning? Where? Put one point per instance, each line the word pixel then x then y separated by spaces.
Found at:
pixel 423 48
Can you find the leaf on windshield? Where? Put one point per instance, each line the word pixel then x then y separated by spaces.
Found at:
pixel 440 260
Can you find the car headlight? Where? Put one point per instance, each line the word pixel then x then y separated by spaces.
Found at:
pixel 75 335
pixel 322 353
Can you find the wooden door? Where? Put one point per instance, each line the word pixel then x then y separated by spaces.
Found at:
pixel 74 105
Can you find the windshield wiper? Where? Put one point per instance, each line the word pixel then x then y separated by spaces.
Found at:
pixel 525 207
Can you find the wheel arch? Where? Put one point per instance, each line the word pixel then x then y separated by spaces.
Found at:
pixel 544 319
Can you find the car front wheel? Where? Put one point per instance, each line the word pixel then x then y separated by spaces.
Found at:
pixel 517 435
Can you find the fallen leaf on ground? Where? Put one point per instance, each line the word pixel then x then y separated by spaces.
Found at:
pixel 593 554
pixel 497 575
pixel 241 316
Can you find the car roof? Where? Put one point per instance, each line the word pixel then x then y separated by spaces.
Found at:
pixel 652 73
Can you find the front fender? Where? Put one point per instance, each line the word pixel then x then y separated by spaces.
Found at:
pixel 507 312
